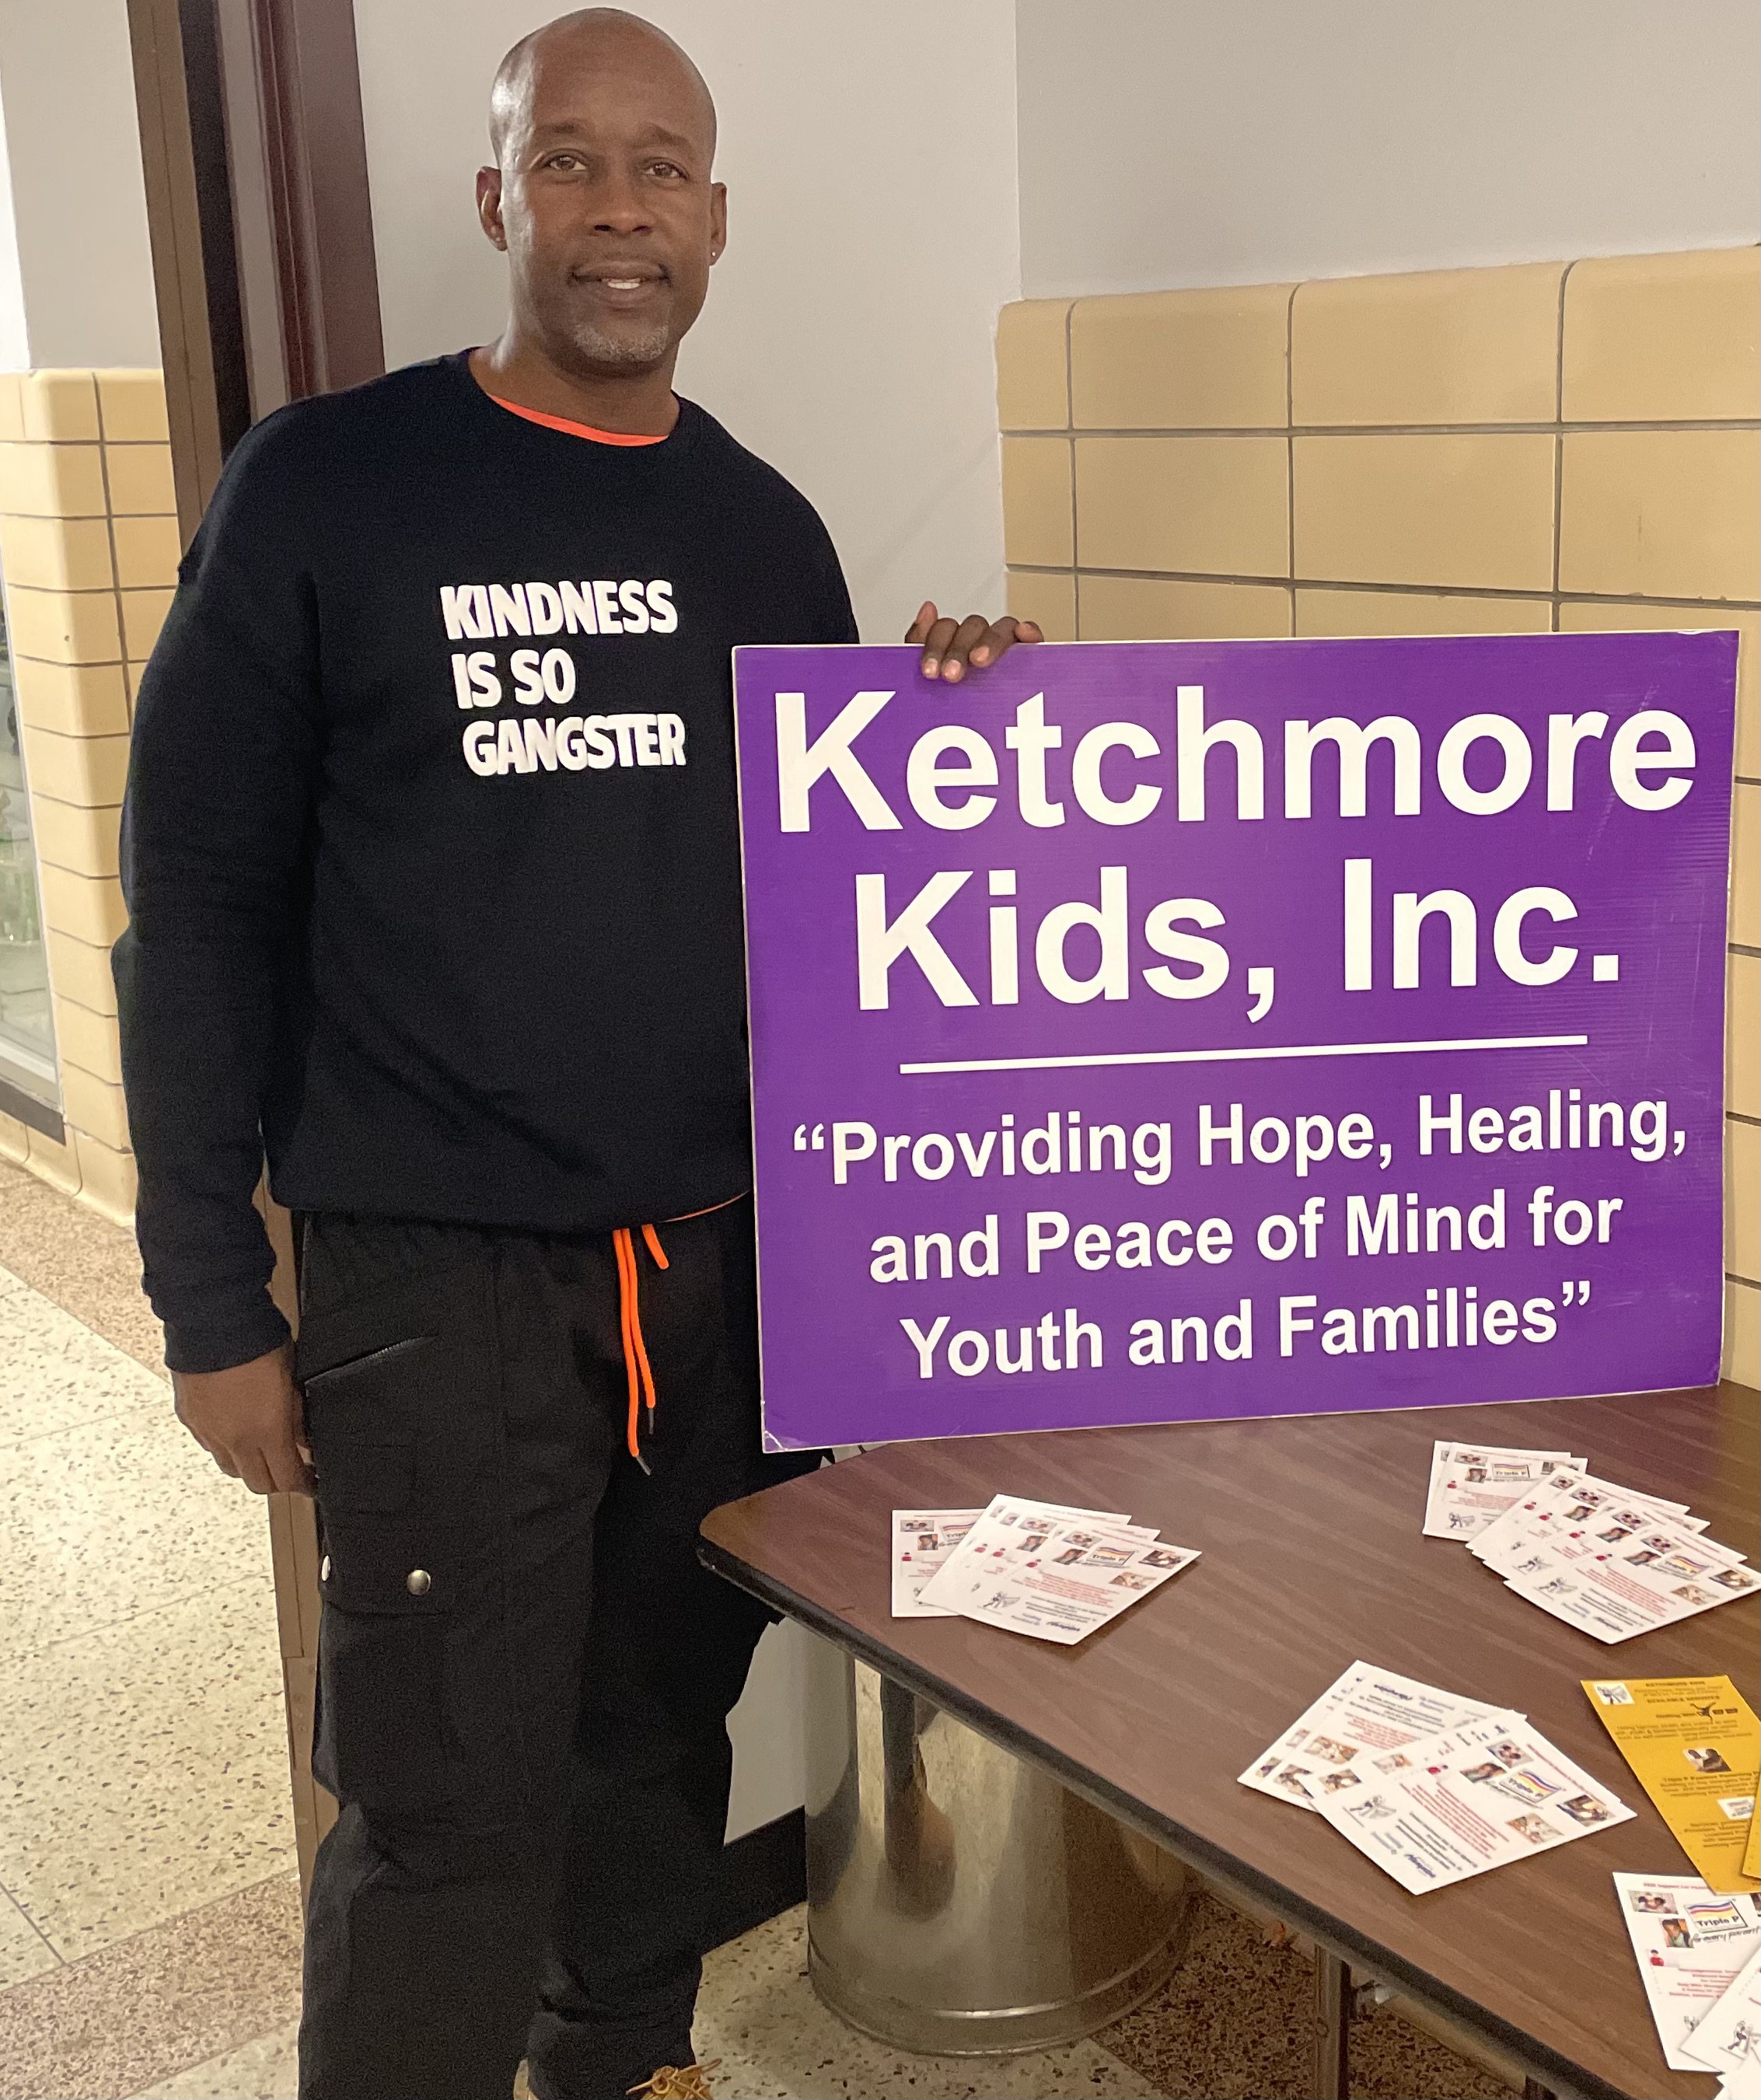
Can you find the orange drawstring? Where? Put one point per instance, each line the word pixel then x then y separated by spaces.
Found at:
pixel 637 1369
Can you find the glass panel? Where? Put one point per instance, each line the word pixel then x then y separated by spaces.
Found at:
pixel 27 1032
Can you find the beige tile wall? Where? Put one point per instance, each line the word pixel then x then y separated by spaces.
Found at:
pixel 1549 447
pixel 88 553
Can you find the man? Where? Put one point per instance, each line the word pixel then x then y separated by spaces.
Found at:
pixel 431 860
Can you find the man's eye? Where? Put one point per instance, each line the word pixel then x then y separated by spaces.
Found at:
pixel 667 168
pixel 565 161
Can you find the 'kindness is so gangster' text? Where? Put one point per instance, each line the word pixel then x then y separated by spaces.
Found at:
pixel 545 679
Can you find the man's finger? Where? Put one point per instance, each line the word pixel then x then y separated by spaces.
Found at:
pixel 289 1468
pixel 925 620
pixel 1003 635
pixel 967 637
pixel 935 645
pixel 970 632
pixel 992 642
pixel 254 1471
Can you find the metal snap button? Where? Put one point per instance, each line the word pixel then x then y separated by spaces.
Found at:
pixel 323 1569
pixel 418 1581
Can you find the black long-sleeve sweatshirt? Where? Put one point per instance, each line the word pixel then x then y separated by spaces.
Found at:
pixel 430 844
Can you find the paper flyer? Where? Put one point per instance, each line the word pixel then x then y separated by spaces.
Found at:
pixel 1467 1810
pixel 1077 1579
pixel 1570 1501
pixel 1472 1483
pixel 1728 2040
pixel 1007 1532
pixel 922 1541
pixel 1367 1715
pixel 1690 1944
pixel 1614 1589
pixel 1694 1745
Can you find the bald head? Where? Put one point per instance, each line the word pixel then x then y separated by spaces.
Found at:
pixel 592 39
pixel 602 194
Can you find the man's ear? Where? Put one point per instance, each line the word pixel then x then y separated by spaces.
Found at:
pixel 489 205
pixel 718 221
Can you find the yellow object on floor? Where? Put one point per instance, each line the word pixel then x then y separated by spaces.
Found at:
pixel 688 2081
pixel 1695 1747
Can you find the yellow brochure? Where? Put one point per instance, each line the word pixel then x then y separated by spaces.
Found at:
pixel 1751 1858
pixel 1695 1747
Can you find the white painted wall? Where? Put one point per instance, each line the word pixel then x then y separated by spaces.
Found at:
pixel 1218 142
pixel 869 153
pixel 84 269
pixel 15 339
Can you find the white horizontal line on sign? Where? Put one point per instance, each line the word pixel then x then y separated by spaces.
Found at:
pixel 1270 1051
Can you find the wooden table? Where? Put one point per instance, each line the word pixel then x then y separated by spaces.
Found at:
pixel 1313 1558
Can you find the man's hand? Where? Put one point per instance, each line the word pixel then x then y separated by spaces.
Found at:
pixel 950 645
pixel 249 1422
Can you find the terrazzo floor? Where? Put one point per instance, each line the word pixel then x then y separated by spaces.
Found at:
pixel 149 1926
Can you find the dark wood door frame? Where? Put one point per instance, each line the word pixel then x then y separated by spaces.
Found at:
pixel 315 145
pixel 254 156
pixel 189 223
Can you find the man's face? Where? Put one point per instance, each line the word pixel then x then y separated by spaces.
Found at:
pixel 604 204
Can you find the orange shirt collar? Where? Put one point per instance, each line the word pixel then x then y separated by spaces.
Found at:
pixel 574 430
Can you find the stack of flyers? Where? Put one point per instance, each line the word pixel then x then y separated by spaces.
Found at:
pixel 1472 1484
pixel 1691 1945
pixel 1357 1729
pixel 1039 1569
pixel 1729 2039
pixel 1608 1559
pixel 1475 1798
pixel 924 1538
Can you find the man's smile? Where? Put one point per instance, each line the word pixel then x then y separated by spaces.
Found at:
pixel 622 283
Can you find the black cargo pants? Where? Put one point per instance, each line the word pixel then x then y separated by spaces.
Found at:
pixel 524 1674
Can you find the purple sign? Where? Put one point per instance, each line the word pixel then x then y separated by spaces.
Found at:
pixel 1151 1031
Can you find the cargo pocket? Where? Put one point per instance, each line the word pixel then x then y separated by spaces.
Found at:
pixel 388 1575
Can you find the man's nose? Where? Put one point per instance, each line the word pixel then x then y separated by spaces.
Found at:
pixel 619 207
